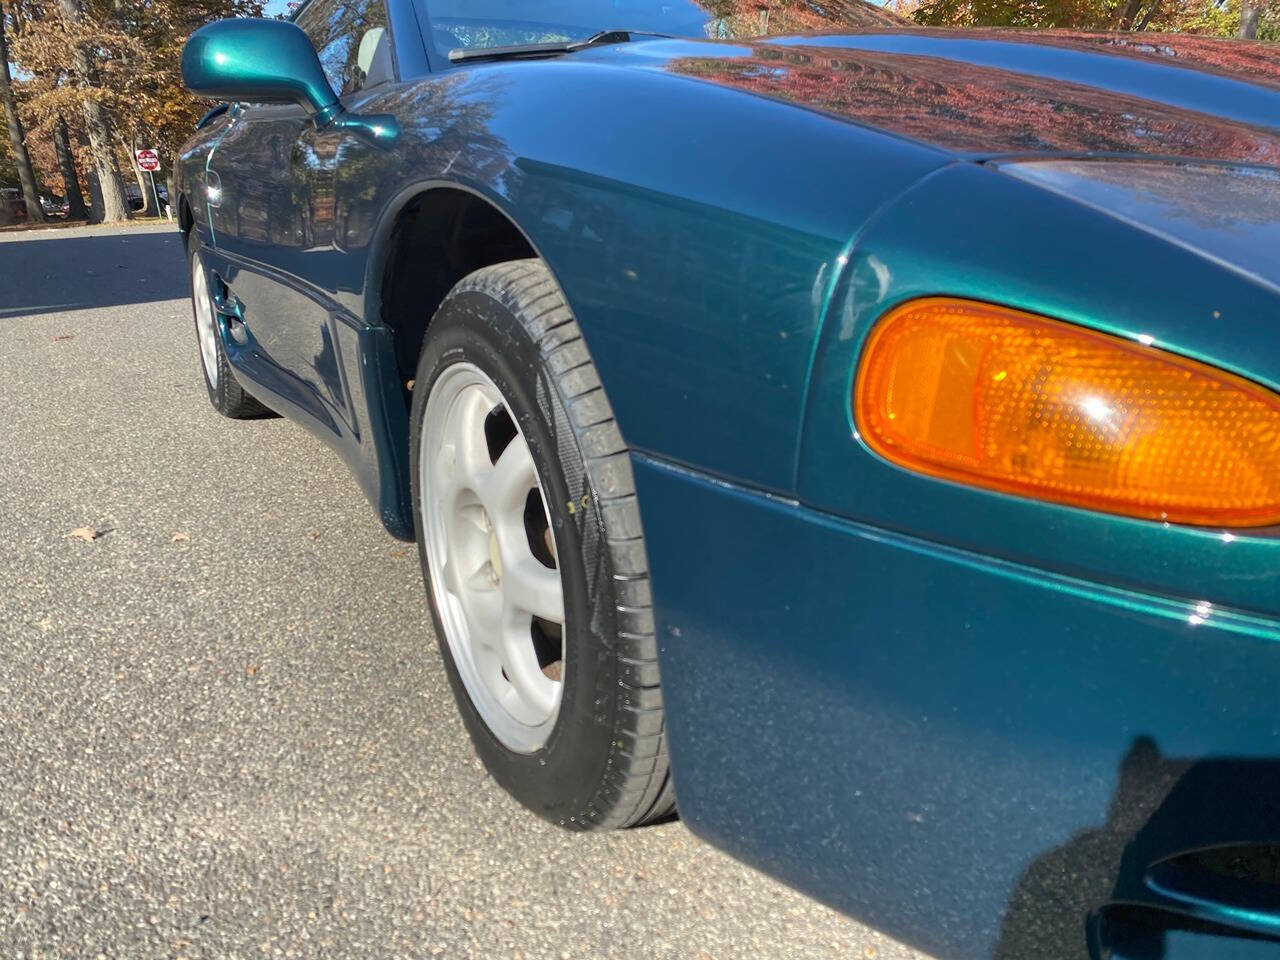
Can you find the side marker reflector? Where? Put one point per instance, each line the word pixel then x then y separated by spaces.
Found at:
pixel 1005 400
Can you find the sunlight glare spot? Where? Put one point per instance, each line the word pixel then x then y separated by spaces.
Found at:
pixel 1095 408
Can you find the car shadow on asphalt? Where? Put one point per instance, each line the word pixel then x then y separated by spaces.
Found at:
pixel 54 273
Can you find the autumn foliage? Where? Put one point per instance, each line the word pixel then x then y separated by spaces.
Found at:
pixel 132 87
pixel 977 109
pixel 95 78
pixel 1208 17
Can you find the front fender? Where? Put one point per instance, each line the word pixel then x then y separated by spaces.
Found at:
pixel 696 234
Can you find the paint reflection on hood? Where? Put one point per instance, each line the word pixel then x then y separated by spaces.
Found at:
pixel 980 109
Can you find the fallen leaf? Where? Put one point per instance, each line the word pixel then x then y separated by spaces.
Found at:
pixel 63 336
pixel 250 670
pixel 180 537
pixel 399 553
pixel 315 534
pixel 87 534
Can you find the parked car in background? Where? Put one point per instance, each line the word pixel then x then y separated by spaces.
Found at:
pixel 53 206
pixel 13 208
pixel 870 438
pixel 135 198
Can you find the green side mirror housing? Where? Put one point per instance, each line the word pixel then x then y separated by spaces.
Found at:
pixel 271 61
pixel 261 61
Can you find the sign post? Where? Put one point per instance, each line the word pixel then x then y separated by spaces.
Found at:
pixel 149 161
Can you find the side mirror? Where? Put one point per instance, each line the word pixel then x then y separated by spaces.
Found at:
pixel 262 61
pixel 272 61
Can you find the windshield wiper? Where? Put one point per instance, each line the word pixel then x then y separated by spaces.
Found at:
pixel 522 50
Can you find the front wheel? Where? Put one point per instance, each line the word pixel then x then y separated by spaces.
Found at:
pixel 530 540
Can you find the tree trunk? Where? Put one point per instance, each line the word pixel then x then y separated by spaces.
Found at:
pixel 95 196
pixel 149 201
pixel 1249 13
pixel 67 164
pixel 144 187
pixel 1146 17
pixel 97 123
pixel 35 212
pixel 1127 13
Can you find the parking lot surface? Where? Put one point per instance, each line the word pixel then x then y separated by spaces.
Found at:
pixel 224 727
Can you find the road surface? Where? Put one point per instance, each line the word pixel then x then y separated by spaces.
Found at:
pixel 224 727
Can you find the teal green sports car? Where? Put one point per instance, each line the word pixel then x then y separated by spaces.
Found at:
pixel 866 435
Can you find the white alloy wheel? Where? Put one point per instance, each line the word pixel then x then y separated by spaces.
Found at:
pixel 206 330
pixel 491 558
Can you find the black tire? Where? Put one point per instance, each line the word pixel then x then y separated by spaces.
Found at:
pixel 604 764
pixel 227 396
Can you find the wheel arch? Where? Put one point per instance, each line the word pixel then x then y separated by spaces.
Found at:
pixel 185 218
pixel 431 236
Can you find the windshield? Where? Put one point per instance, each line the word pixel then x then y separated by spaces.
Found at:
pixel 477 24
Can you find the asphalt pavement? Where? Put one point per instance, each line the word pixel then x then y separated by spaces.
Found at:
pixel 224 727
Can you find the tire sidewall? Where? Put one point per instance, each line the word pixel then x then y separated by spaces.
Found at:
pixel 560 780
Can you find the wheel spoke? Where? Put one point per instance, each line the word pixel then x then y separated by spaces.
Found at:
pixel 464 458
pixel 446 471
pixel 473 514
pixel 530 587
pixel 521 664
pixel 471 580
pixel 504 488
pixel 456 473
pixel 481 581
pixel 487 658
pixel 450 576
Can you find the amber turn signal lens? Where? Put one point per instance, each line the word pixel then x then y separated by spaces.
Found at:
pixel 1006 400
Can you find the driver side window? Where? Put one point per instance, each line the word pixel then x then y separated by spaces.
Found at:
pixel 351 40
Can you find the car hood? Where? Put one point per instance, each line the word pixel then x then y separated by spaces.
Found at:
pixel 1228 214
pixel 1000 93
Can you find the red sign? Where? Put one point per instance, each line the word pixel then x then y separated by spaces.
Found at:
pixel 148 160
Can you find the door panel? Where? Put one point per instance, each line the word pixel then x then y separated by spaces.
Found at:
pixel 274 225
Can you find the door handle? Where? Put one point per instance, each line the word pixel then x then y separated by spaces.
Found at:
pixel 227 305
pixel 230 309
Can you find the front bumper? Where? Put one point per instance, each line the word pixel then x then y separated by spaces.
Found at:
pixel 979 758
